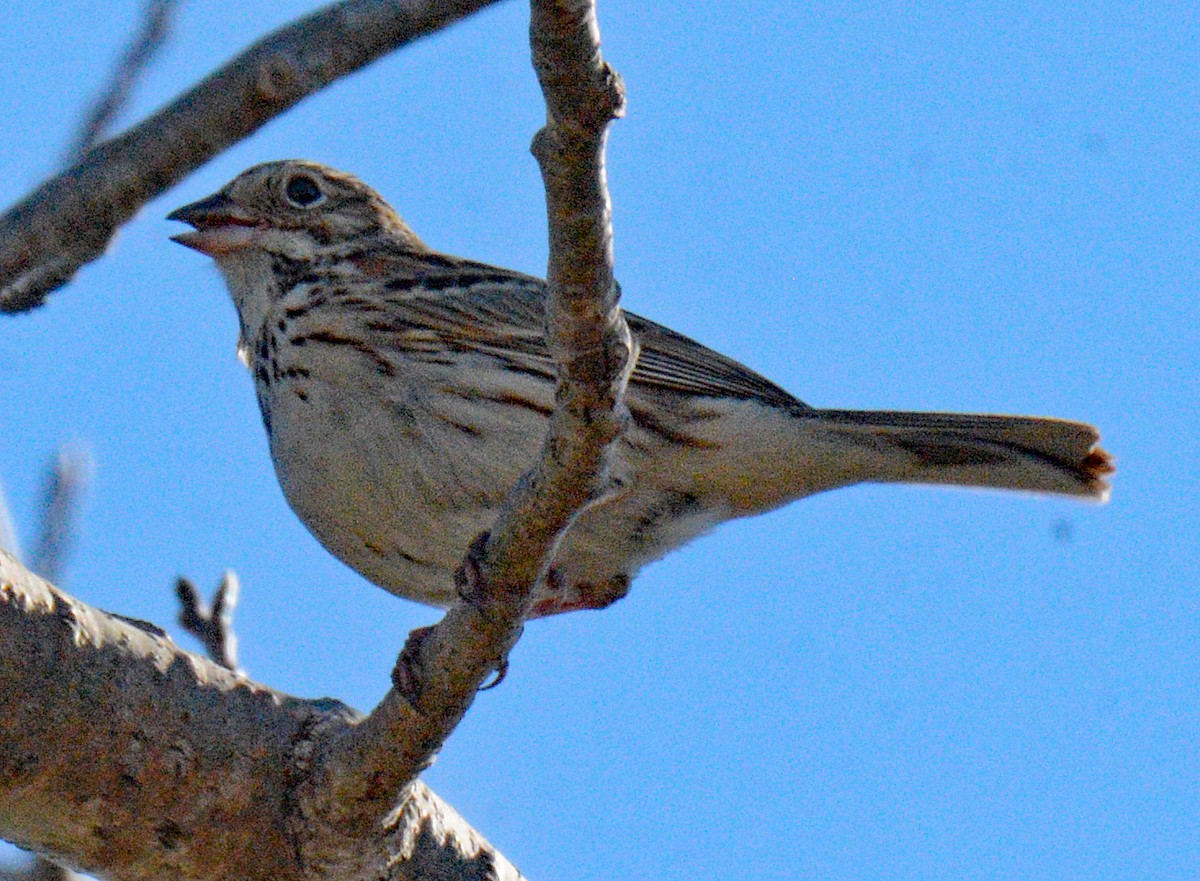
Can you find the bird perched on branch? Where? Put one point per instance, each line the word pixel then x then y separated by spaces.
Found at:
pixel 405 391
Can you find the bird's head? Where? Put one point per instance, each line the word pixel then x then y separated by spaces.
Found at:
pixel 278 219
pixel 292 208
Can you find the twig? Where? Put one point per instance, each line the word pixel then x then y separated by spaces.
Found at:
pixel 442 667
pixel 66 482
pixel 156 22
pixel 213 626
pixel 69 220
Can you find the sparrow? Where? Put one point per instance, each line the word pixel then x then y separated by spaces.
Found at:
pixel 404 391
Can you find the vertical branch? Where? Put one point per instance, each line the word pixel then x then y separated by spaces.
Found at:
pixel 588 335
pixel 441 667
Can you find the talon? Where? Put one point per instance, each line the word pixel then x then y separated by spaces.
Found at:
pixel 501 672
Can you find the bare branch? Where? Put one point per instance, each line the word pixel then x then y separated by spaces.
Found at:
pixel 213 626
pixel 156 22
pixel 69 220
pixel 66 482
pixel 588 334
pixel 126 756
pixel 441 667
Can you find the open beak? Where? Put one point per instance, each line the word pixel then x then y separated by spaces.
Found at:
pixel 220 226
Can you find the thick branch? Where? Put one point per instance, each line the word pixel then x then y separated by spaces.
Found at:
pixel 126 756
pixel 122 754
pixel 442 667
pixel 69 220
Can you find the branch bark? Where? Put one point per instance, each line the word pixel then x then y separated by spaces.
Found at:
pixel 122 754
pixel 69 220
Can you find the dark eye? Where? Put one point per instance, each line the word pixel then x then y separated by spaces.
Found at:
pixel 303 192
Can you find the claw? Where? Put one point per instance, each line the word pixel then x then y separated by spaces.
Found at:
pixel 501 672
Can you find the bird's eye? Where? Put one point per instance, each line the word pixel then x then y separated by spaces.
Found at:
pixel 303 192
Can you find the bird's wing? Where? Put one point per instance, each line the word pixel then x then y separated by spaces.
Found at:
pixel 469 307
pixel 669 360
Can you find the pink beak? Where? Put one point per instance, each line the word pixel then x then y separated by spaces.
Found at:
pixel 220 226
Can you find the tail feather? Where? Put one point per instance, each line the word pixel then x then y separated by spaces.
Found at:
pixel 1008 452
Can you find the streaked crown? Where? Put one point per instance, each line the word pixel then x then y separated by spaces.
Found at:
pixel 298 196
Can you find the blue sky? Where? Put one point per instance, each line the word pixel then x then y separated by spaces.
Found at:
pixel 991 207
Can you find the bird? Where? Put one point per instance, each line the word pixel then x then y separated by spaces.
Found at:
pixel 404 391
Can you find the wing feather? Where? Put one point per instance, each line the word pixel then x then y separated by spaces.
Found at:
pixel 502 314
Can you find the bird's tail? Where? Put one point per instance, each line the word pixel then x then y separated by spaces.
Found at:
pixel 1007 452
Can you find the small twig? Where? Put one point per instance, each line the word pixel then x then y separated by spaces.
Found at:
pixel 155 27
pixel 66 482
pixel 213 626
pixel 69 220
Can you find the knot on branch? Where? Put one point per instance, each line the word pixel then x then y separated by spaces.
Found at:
pixel 409 673
pixel 582 90
pixel 279 80
pixel 497 602
pixel 592 104
pixel 611 96
pixel 608 364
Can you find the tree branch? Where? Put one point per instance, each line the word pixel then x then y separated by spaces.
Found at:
pixel 69 220
pixel 442 667
pixel 124 755
pixel 588 334
pixel 66 481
